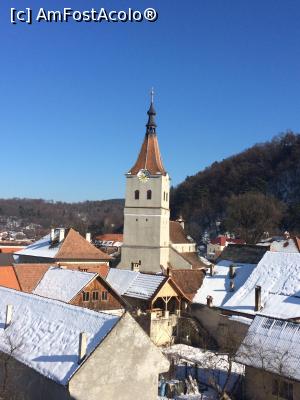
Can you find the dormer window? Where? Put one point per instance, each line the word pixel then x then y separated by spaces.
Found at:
pixel 149 194
pixel 136 194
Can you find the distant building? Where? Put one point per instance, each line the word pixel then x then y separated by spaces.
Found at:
pixel 63 247
pixel 56 351
pixel 84 289
pixel 271 355
pixel 151 242
pixel 216 246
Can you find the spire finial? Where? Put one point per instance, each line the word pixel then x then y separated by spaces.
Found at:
pixel 151 125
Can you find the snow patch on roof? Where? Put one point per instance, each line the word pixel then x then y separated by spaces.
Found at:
pixel 40 248
pixel 46 332
pixel 218 285
pixel 62 284
pixel 134 284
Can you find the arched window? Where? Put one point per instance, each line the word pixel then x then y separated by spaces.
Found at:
pixel 149 194
pixel 136 194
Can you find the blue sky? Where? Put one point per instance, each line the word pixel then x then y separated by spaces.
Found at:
pixel 74 96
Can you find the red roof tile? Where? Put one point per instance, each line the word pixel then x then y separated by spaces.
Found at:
pixel 29 275
pixel 75 247
pixel 115 237
pixel 188 280
pixel 149 157
pixel 8 278
pixel 177 233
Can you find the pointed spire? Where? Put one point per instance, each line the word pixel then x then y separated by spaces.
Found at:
pixel 151 125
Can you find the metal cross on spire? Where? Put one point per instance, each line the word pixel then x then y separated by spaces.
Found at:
pixel 152 95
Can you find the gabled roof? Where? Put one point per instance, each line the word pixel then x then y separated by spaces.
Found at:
pixel 46 333
pixel 29 275
pixel 76 247
pixel 188 280
pixel 272 345
pixel 278 274
pixel 149 157
pixel 73 247
pixel 193 258
pixel 177 233
pixel 218 285
pixel 63 284
pixel 243 253
pixel 134 284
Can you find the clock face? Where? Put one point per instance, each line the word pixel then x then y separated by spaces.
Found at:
pixel 143 175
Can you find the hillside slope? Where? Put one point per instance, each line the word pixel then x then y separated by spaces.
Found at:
pixel 272 168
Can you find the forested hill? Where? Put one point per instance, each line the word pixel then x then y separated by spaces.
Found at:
pixel 271 168
pixel 94 216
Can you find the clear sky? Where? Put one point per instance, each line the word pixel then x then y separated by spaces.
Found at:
pixel 74 96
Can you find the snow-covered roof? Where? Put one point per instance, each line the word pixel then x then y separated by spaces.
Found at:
pixel 218 285
pixel 273 345
pixel 40 248
pixel 134 284
pixel 287 246
pixel 62 284
pixel 278 274
pixel 46 332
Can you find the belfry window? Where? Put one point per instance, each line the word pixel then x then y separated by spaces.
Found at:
pixel 136 194
pixel 149 194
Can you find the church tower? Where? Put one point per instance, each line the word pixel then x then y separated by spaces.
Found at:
pixel 146 214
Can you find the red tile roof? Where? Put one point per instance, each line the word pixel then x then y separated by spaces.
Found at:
pixel 177 233
pixel 149 157
pixel 8 278
pixel 115 237
pixel 188 280
pixel 221 241
pixel 29 275
pixel 75 247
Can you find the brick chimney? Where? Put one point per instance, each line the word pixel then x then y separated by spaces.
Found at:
pixel 257 298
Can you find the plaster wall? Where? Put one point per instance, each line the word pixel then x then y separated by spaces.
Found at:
pixel 126 366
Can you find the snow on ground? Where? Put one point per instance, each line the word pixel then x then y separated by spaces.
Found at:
pixel 62 284
pixel 204 365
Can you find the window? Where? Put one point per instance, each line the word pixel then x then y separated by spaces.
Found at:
pixel 83 269
pixel 104 295
pixel 86 296
pixel 95 295
pixel 166 196
pixel 282 389
pixel 149 194
pixel 136 194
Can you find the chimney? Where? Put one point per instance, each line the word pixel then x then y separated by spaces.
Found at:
pixel 52 234
pixel 88 237
pixel 232 269
pixel 169 271
pixel 61 234
pixel 9 312
pixel 286 235
pixel 257 298
pixel 209 300
pixel 211 270
pixel 82 347
pixel 231 284
pixel 181 221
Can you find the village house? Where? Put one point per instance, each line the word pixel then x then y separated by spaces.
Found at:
pixel 216 246
pixel 62 247
pixel 56 351
pixel 156 302
pixel 233 293
pixel 271 355
pixel 151 242
pixel 84 289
